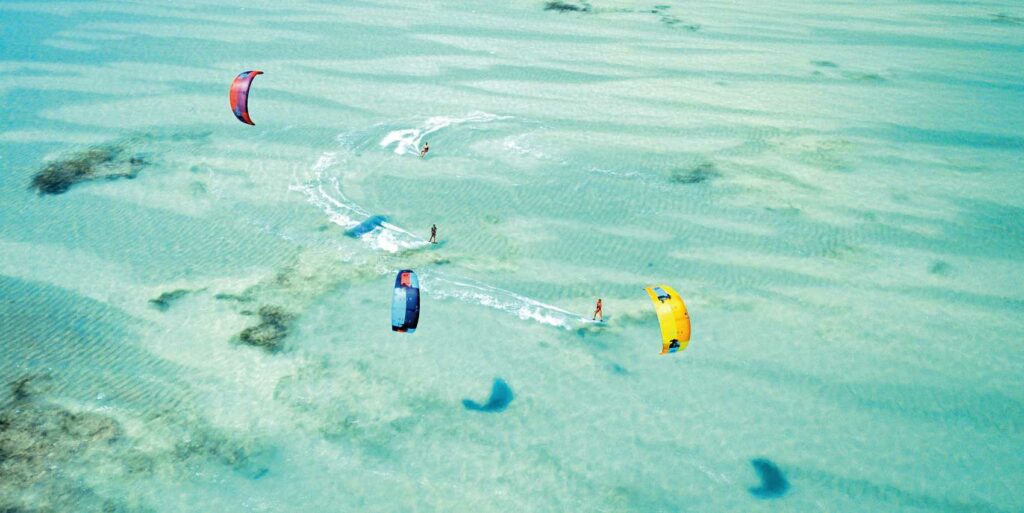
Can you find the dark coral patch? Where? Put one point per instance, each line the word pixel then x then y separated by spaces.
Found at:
pixel 697 174
pixel 98 163
pixel 557 5
pixel 940 268
pixel 270 333
pixel 1006 19
pixel 164 301
pixel 37 439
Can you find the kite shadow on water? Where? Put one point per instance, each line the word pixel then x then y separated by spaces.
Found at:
pixel 366 226
pixel 773 483
pixel 501 396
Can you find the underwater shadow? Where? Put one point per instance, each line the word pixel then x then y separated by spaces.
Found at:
pixel 366 226
pixel 501 396
pixel 773 483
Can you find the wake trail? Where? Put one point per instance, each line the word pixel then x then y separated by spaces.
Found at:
pixel 323 191
pixel 407 141
pixel 474 292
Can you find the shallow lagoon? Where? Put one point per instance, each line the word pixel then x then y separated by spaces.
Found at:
pixel 834 188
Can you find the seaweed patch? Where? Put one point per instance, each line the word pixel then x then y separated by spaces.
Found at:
pixel 659 10
pixel 618 369
pixel 672 21
pixel 1006 19
pixel 35 440
pixel 557 5
pixel 164 301
pixel 697 174
pixel 270 333
pixel 105 162
pixel 26 387
pixel 501 396
pixel 247 458
pixel 241 298
pixel 864 77
pixel 831 69
pixel 47 448
pixel 940 268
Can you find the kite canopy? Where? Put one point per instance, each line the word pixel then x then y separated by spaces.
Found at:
pixel 405 303
pixel 240 95
pixel 672 315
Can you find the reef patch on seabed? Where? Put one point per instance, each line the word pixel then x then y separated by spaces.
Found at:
pixel 863 77
pixel 699 173
pixel 773 482
pixel 659 10
pixel 617 369
pixel 829 68
pixel 108 161
pixel 37 441
pixel 270 333
pixel 672 21
pixel 105 162
pixel 1006 19
pixel 557 5
pixel 501 397
pixel 202 443
pixel 165 300
pixel 50 452
pixel 241 298
pixel 370 412
pixel 311 274
pixel 940 267
pixel 826 154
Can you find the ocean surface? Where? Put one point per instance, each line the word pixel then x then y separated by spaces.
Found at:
pixel 835 189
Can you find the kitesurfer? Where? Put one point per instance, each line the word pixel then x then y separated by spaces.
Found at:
pixel 426 148
pixel 597 311
pixel 433 232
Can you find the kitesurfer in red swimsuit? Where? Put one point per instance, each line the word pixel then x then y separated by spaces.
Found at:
pixel 597 311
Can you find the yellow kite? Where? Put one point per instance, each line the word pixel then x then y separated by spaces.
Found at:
pixel 672 315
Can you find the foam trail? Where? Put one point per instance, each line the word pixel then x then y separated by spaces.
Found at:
pixel 520 144
pixel 407 141
pixel 340 211
pixel 392 238
pixel 523 307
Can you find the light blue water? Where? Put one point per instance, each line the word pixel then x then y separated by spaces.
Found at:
pixel 834 188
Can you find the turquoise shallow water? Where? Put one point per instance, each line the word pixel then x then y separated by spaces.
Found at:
pixel 834 188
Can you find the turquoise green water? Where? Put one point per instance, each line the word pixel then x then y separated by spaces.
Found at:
pixel 834 188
